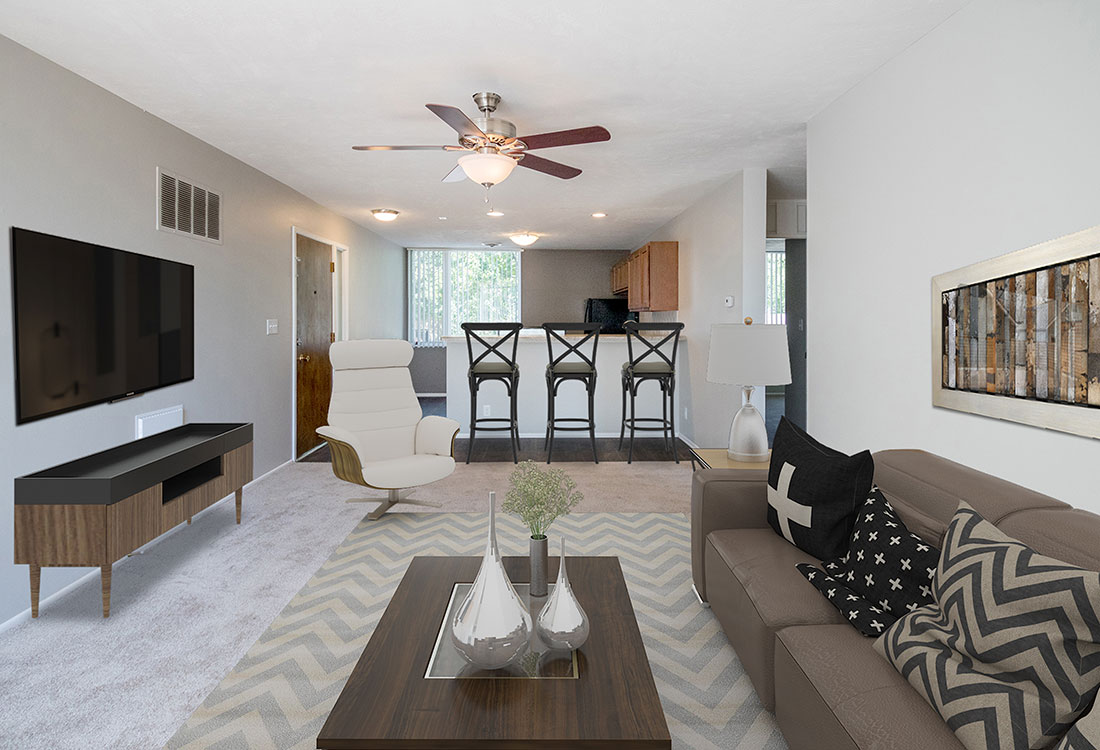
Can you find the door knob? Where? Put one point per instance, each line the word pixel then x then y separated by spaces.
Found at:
pixel 303 357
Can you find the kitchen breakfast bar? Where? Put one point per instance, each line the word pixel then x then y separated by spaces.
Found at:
pixel 572 400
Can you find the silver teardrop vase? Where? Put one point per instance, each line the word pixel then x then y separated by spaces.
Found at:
pixel 491 628
pixel 562 624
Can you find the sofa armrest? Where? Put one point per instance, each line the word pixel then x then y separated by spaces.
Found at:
pixel 724 499
pixel 436 435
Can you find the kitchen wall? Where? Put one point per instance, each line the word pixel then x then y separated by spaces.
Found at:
pixel 556 283
pixel 978 140
pixel 721 243
pixel 79 162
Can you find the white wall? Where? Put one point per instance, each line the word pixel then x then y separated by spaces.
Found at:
pixel 721 253
pixel 979 139
pixel 79 162
pixel 556 283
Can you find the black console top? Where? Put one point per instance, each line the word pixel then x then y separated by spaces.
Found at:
pixel 116 473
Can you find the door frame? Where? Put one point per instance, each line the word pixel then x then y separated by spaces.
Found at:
pixel 340 307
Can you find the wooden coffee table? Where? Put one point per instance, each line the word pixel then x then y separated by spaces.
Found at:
pixel 388 702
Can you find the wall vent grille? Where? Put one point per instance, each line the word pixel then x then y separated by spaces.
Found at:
pixel 184 207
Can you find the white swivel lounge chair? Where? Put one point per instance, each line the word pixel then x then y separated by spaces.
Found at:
pixel 376 431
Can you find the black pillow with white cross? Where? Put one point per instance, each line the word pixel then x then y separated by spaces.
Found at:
pixel 863 615
pixel 815 491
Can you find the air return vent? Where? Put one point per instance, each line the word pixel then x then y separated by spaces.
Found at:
pixel 184 207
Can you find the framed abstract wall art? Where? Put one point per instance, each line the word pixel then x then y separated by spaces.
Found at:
pixel 1018 337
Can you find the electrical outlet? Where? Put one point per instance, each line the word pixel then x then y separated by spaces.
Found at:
pixel 272 326
pixel 486 411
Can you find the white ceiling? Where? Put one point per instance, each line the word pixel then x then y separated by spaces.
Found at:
pixel 692 91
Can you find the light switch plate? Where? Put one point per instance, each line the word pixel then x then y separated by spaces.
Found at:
pixel 272 326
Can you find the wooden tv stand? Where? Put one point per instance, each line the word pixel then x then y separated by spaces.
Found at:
pixel 98 509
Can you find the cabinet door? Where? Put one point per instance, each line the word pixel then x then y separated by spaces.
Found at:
pixel 634 283
pixel 644 280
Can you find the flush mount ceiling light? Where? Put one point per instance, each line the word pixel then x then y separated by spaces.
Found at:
pixel 384 214
pixel 599 215
pixel 524 239
pixel 442 218
pixel 494 212
pixel 491 244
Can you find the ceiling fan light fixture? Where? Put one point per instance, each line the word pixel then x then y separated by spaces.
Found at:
pixel 524 239
pixel 384 214
pixel 487 168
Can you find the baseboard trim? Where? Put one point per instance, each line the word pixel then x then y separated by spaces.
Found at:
pixel 94 572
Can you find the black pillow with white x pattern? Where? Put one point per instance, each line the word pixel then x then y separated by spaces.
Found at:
pixel 886 564
pixel 860 613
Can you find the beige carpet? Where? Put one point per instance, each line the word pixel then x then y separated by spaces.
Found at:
pixel 611 487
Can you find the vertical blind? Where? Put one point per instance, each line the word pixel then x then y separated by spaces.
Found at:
pixel 775 282
pixel 450 287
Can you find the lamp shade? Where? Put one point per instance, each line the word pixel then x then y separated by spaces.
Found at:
pixel 749 355
pixel 487 169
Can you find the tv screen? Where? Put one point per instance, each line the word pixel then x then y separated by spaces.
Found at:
pixel 94 324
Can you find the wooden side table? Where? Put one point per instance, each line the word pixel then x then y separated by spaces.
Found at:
pixel 718 458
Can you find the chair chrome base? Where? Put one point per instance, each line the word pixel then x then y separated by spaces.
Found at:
pixel 392 498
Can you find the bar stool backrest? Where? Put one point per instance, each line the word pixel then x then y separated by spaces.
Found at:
pixel 572 349
pixel 664 349
pixel 509 333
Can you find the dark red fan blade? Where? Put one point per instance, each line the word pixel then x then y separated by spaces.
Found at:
pixel 594 134
pixel 454 117
pixel 408 148
pixel 546 166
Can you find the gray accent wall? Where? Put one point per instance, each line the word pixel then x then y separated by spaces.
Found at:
pixel 79 162
pixel 978 140
pixel 556 283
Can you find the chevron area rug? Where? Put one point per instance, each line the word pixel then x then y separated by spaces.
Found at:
pixel 280 693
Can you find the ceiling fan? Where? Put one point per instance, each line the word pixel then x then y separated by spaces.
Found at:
pixel 492 148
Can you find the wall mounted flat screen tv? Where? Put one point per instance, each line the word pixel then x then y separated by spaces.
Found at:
pixel 95 324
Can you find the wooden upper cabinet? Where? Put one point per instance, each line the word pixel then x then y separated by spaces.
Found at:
pixel 654 277
pixel 620 276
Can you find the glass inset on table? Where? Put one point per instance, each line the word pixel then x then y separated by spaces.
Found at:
pixel 539 663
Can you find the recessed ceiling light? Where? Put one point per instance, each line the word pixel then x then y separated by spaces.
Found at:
pixel 494 212
pixel 442 218
pixel 491 244
pixel 599 215
pixel 524 239
pixel 384 214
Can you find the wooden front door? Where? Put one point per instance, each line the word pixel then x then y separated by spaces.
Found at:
pixel 314 270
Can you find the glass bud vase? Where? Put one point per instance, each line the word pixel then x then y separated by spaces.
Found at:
pixel 491 628
pixel 562 624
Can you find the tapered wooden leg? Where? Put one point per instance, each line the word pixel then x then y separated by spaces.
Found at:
pixel 240 496
pixel 105 577
pixel 189 520
pixel 36 579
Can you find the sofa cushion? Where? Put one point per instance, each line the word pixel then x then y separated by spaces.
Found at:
pixel 1009 654
pixel 764 564
pixel 815 491
pixel 833 691
pixel 863 615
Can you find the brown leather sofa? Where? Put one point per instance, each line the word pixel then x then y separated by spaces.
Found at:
pixel 827 687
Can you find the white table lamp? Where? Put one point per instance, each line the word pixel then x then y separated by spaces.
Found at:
pixel 744 354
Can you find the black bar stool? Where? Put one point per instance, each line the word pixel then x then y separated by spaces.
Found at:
pixel 571 364
pixel 494 364
pixel 653 363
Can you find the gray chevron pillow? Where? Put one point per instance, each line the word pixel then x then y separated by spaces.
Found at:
pixel 1009 653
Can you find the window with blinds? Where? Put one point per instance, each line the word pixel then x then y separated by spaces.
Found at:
pixel 775 282
pixel 450 287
